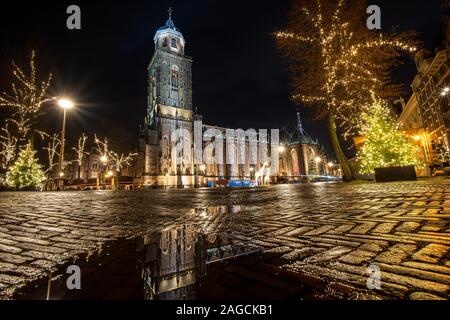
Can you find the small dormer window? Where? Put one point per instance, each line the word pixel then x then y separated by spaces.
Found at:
pixel 174 43
pixel 164 42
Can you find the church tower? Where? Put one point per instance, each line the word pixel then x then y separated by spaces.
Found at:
pixel 169 106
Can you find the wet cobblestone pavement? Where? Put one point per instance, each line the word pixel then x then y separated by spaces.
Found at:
pixel 321 235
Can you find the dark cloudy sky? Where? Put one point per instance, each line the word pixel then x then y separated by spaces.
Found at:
pixel 239 79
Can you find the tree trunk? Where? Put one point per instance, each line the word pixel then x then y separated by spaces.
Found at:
pixel 347 172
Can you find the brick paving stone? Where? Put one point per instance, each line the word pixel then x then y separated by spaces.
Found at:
pixel 358 257
pixel 415 283
pixel 424 296
pixel 13 258
pixel 408 227
pixel 385 227
pixel 416 273
pixel 10 249
pixel 372 247
pixel 442 269
pixel 329 254
pixel 431 253
pixel 397 253
pixel 323 234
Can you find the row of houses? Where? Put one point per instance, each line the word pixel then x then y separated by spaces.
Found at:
pixel 426 115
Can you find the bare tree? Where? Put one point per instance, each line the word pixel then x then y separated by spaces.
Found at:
pixel 80 152
pixel 121 161
pixel 101 146
pixel 8 144
pixel 52 152
pixel 25 100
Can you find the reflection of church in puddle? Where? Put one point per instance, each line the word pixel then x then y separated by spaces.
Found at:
pixel 170 107
pixel 175 260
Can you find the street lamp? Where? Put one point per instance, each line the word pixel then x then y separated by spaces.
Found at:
pixel 104 159
pixel 318 160
pixel 330 165
pixel 65 104
pixel 281 149
pixel 445 91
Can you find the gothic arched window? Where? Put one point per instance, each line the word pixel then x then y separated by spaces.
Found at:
pixel 295 163
pixel 175 77
pixel 158 81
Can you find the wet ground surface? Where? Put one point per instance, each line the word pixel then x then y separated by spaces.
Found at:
pixel 311 241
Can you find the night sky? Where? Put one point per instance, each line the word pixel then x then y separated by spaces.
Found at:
pixel 239 78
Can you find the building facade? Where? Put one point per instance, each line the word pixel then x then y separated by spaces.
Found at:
pixel 426 116
pixel 429 87
pixel 410 124
pixel 170 109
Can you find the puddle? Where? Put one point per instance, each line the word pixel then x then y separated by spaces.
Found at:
pixel 219 209
pixel 172 264
pixel 178 263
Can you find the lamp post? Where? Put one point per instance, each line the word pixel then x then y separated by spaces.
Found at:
pixel 65 104
pixel 167 180
pixel 110 175
pixel 104 161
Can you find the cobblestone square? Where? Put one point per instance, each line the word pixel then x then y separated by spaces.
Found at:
pixel 325 235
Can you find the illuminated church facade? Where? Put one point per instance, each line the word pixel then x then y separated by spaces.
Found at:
pixel 170 108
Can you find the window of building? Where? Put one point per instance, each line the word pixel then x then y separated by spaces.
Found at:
pixel 164 42
pixel 175 76
pixel 174 43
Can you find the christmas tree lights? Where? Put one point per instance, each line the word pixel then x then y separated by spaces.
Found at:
pixel 26 172
pixel 384 145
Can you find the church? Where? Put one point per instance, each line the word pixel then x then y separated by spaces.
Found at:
pixel 170 109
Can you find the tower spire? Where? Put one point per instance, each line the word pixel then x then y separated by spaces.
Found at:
pixel 299 122
pixel 170 13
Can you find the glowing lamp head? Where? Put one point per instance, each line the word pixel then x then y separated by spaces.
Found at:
pixel 61 174
pixel 110 173
pixel 318 159
pixel 104 158
pixel 167 174
pixel 252 169
pixel 330 164
pixel 281 149
pixel 202 167
pixel 417 138
pixel 65 103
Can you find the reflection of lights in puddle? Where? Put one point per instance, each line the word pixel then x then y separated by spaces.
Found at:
pixel 217 210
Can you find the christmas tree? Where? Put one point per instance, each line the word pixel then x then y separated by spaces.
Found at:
pixel 313 170
pixel 384 145
pixel 26 172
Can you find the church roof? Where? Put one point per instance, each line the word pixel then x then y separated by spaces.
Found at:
pixel 169 28
pixel 169 25
pixel 300 135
